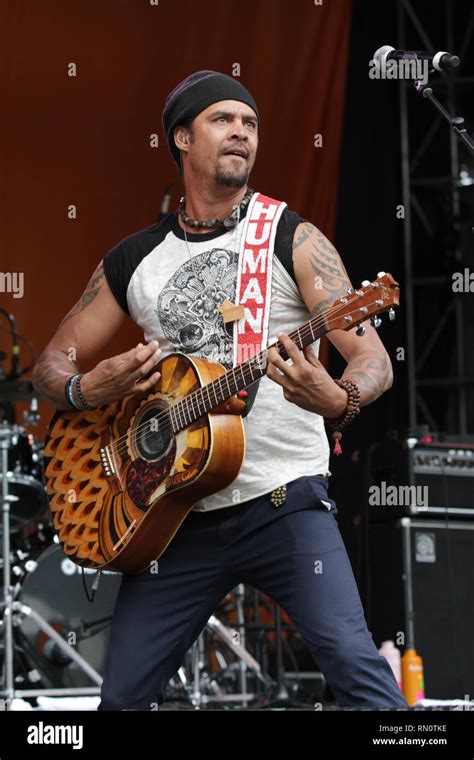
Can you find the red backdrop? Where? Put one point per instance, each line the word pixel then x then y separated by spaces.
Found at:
pixel 85 139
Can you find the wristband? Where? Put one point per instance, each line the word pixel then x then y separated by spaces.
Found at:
pixel 81 395
pixel 69 392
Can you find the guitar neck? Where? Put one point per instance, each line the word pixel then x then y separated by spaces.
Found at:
pixel 351 310
pixel 202 401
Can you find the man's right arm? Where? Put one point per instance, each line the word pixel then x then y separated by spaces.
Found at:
pixel 85 330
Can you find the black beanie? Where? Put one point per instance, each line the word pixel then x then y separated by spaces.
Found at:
pixel 196 93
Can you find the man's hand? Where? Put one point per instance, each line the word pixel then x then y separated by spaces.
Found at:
pixel 120 376
pixel 305 382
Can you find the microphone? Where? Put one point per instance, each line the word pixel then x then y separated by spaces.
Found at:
pixel 15 357
pixel 441 61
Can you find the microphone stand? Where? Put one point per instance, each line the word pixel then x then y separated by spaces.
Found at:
pixel 15 371
pixel 455 122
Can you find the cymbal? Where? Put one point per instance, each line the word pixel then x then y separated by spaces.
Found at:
pixel 17 390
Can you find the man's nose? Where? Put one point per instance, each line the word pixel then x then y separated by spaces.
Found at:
pixel 238 130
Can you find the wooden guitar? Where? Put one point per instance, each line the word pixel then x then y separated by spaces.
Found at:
pixel 122 478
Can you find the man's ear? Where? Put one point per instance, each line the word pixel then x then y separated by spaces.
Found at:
pixel 181 137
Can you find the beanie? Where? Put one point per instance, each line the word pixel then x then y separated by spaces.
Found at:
pixel 196 93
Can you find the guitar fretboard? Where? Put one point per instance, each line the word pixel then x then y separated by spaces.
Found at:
pixel 202 401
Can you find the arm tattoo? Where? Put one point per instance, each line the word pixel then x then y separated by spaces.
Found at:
pixel 372 373
pixel 327 267
pixel 50 375
pixel 54 366
pixel 93 287
pixel 304 235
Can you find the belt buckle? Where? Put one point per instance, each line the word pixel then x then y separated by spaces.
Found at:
pixel 278 496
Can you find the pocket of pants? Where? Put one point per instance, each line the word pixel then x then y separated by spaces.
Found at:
pixel 317 488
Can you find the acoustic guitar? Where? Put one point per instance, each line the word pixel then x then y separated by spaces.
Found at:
pixel 122 478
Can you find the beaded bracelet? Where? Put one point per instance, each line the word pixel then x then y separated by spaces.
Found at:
pixel 73 384
pixel 69 392
pixel 352 410
pixel 84 403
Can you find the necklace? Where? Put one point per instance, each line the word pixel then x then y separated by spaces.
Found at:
pixel 232 248
pixel 232 245
pixel 228 222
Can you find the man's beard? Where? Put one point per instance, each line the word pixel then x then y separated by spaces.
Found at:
pixel 231 177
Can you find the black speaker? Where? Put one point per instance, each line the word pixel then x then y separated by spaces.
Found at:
pixel 437 477
pixel 421 590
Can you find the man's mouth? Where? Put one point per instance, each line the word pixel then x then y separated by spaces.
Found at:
pixel 236 153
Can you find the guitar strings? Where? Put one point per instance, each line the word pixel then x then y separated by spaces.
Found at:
pixel 120 445
pixel 117 447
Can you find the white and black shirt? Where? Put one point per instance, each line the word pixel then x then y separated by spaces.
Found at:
pixel 174 293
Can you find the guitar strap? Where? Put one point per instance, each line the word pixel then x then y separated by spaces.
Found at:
pixel 254 282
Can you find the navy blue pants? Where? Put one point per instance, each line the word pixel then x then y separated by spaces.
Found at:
pixel 294 553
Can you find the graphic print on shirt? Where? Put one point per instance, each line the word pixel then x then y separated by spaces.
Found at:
pixel 188 305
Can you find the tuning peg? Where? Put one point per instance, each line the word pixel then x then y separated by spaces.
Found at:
pixel 381 274
pixel 364 283
pixel 391 314
pixel 360 331
pixel 376 321
pixel 350 291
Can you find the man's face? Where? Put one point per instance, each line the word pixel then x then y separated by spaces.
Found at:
pixel 223 143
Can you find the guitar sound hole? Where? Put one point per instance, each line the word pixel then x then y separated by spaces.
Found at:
pixel 153 436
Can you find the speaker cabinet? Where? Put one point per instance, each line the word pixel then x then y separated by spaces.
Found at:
pixel 422 585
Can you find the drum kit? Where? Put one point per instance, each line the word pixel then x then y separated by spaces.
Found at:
pixel 53 641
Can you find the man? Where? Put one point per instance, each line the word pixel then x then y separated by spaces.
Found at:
pixel 171 278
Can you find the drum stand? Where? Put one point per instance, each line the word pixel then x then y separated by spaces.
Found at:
pixel 14 611
pixel 235 640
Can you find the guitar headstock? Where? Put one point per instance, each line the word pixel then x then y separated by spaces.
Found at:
pixel 363 303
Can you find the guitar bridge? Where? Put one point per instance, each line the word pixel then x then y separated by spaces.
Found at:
pixel 107 462
pixel 110 464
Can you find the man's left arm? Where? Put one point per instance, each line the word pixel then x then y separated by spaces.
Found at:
pixel 322 279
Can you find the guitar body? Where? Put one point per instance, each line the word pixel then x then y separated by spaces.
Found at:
pixel 123 510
